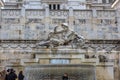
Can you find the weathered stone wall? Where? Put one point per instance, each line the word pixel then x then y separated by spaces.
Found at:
pixel 18 26
pixel 105 72
pixel 25 24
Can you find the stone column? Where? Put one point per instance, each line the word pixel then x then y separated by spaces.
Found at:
pixel 71 18
pixel 51 6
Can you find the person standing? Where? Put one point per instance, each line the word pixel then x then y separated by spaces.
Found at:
pixel 65 76
pixel 12 75
pixel 7 74
pixel 2 75
pixel 20 75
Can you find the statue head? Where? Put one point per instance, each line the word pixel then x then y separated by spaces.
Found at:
pixel 65 24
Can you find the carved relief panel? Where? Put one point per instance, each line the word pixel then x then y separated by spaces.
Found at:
pixel 11 13
pixel 83 14
pixel 106 14
pixel 59 14
pixel 35 13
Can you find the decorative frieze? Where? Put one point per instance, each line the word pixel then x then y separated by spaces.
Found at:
pixel 83 14
pixel 59 14
pixel 11 13
pixel 106 14
pixel 108 47
pixel 31 13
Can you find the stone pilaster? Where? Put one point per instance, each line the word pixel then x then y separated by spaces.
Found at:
pixel 94 13
pixel 117 67
pixel 47 19
pixel 0 16
pixel 71 18
pixel 23 18
pixel 118 19
pixel 94 22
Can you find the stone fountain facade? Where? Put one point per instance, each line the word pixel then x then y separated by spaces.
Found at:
pixel 24 24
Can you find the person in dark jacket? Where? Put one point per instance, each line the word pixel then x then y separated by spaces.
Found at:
pixel 65 76
pixel 20 76
pixel 7 74
pixel 12 75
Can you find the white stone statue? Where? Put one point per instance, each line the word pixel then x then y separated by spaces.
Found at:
pixel 62 35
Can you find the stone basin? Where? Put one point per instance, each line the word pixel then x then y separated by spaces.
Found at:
pixel 55 72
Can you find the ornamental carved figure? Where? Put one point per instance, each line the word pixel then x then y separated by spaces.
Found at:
pixel 62 36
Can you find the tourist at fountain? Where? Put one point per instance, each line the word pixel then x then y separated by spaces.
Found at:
pixel 65 76
pixel 12 75
pixel 7 74
pixel 2 75
pixel 20 75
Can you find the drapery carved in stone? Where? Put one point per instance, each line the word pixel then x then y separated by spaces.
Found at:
pixel 62 35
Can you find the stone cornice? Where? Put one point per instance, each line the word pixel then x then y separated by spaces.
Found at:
pixel 89 41
pixel 105 41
